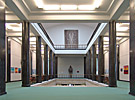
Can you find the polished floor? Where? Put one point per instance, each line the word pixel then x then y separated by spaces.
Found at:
pixel 16 92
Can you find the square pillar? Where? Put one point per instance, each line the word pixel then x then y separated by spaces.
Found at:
pixel 50 65
pixel 45 62
pixel 93 62
pixel 100 60
pixel 8 60
pixel 25 54
pixel 112 54
pixel 38 60
pixel 132 47
pixel 84 67
pixel 56 67
pixel 2 50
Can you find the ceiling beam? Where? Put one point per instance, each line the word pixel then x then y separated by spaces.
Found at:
pixel 119 9
pixel 17 8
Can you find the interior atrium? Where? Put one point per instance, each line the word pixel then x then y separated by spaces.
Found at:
pixel 67 50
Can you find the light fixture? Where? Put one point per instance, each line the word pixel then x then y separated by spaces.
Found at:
pixel 31 42
pixel 2 7
pixel 39 3
pixel 86 7
pixel 33 39
pixel 118 38
pixel 105 46
pixel 106 38
pixel 34 46
pixel 51 7
pixel 2 4
pixel 122 28
pixel 97 3
pixel 14 26
pixel 68 7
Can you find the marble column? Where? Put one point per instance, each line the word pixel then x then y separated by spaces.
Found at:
pixel 93 62
pixel 45 62
pixel 25 54
pixel 90 76
pixel 112 54
pixel 52 70
pixel 132 47
pixel 84 67
pixel 88 65
pixel 118 61
pixel 56 67
pixel 2 50
pixel 100 59
pixel 38 60
pixel 31 64
pixel 8 60
pixel 50 64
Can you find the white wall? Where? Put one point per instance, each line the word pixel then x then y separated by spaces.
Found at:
pixel 77 64
pixel 124 60
pixel 15 59
pixel 106 63
pixel 56 32
pixel 34 63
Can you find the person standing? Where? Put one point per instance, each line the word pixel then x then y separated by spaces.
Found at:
pixel 70 70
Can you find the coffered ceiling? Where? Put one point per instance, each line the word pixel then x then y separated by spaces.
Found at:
pixel 56 12
pixel 41 11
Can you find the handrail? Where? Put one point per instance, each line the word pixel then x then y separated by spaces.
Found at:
pixel 71 47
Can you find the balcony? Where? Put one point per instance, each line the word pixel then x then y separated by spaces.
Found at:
pixel 71 47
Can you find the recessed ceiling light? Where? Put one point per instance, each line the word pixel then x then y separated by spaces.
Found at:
pixel 97 3
pixel 122 28
pixel 51 7
pixel 39 3
pixel 33 39
pixel 68 7
pixel 14 26
pixel 106 38
pixel 1 7
pixel 86 7
pixel 118 38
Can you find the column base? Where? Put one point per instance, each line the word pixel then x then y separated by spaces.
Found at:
pixel 25 85
pixel 112 85
pixel 38 81
pixel 131 94
pixel 3 93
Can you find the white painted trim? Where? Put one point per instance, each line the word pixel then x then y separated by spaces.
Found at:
pixel 100 29
pixel 41 33
pixel 42 82
pixel 97 82
pixel 70 52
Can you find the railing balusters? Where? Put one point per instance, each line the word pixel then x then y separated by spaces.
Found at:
pixel 71 47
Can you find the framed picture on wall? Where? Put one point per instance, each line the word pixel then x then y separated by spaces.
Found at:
pixel 12 70
pixel 16 70
pixel 126 69
pixel 19 70
pixel 71 39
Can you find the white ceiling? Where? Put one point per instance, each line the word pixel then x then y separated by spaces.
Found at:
pixel 108 10
pixel 27 10
pixel 56 31
pixel 105 5
pixel 90 25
